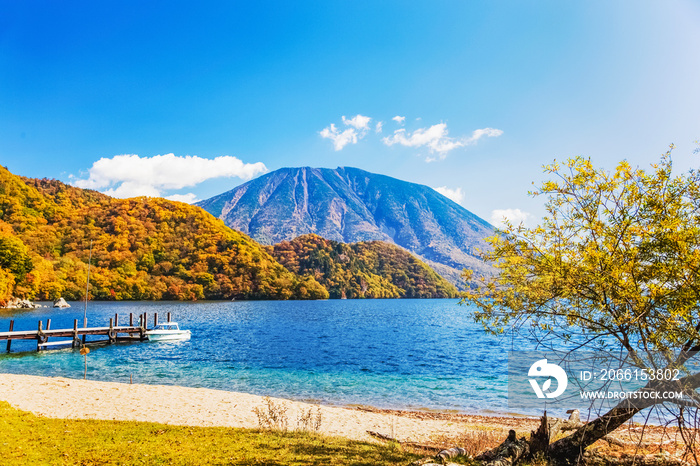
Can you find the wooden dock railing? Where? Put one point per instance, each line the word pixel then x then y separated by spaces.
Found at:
pixel 114 333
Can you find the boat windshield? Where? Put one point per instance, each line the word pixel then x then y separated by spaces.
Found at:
pixel 168 326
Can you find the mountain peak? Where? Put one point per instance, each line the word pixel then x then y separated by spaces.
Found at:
pixel 349 204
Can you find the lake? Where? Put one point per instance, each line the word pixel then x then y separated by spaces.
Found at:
pixel 402 354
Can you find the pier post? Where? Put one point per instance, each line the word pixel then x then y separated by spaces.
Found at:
pixel 76 338
pixel 131 319
pixel 112 334
pixel 9 339
pixel 48 327
pixel 155 320
pixel 39 336
pixel 116 320
pixel 168 317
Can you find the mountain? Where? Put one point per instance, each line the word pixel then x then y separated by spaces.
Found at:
pixel 349 205
pixel 372 269
pixel 152 248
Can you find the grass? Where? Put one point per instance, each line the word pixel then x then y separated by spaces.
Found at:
pixel 29 439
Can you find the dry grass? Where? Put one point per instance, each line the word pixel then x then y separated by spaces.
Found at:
pixel 474 441
pixel 273 416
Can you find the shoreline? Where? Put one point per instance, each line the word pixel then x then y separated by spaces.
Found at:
pixel 38 304
pixel 64 398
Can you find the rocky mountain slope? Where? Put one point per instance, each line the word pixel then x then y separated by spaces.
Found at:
pixel 350 205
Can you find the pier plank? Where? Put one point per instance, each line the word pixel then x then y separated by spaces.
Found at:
pixel 57 343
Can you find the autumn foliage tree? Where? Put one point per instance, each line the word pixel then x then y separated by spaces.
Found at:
pixel 613 266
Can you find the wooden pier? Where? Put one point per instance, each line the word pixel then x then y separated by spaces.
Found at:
pixel 114 333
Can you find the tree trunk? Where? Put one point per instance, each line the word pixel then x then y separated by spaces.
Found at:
pixel 539 439
pixel 570 449
pixel 508 453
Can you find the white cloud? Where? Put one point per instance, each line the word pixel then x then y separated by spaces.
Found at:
pixel 359 125
pixel 515 216
pixel 358 122
pixel 126 189
pixel 479 133
pixel 130 175
pixel 189 198
pixel 455 194
pixel 340 139
pixel 436 139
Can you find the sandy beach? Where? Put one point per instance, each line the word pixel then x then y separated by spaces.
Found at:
pixel 58 397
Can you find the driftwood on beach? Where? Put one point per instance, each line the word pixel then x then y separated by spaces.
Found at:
pixel 514 450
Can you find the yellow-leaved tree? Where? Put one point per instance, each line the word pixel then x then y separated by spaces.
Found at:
pixel 614 265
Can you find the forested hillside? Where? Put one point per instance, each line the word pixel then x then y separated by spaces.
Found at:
pixel 152 248
pixel 143 248
pixel 371 269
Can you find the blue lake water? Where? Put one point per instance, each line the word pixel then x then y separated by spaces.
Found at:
pixel 404 354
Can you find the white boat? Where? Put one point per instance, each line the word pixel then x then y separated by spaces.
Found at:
pixel 168 331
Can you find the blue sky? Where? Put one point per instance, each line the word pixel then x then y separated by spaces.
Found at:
pixel 98 93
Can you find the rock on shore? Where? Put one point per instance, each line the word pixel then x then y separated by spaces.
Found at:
pixel 16 303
